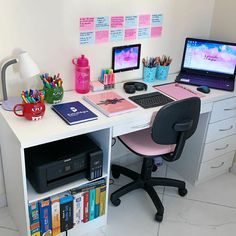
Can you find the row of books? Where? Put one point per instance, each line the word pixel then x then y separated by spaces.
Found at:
pixel 61 212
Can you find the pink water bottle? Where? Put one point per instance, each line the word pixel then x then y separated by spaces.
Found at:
pixel 82 74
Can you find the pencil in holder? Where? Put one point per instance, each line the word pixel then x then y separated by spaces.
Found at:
pixel 149 74
pixel 162 72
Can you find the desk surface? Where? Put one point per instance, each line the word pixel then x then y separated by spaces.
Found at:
pixel 52 127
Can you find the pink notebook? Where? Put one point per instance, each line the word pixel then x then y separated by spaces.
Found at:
pixel 110 103
pixel 177 91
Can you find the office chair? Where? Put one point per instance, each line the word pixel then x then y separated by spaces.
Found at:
pixel 172 125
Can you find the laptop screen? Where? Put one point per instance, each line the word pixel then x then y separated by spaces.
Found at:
pixel 209 57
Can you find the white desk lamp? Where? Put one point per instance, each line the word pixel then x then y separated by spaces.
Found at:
pixel 28 69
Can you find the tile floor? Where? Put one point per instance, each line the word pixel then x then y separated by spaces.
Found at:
pixel 208 210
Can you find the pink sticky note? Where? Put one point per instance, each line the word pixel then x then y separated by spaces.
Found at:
pixel 102 36
pixel 130 34
pixel 86 23
pixel 117 21
pixel 156 32
pixel 144 20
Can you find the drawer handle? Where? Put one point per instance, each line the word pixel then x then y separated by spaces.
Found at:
pixel 231 127
pixel 219 149
pixel 230 109
pixel 141 126
pixel 216 167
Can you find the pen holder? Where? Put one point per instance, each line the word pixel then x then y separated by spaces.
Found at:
pixel 31 111
pixel 162 72
pixel 149 74
pixel 53 95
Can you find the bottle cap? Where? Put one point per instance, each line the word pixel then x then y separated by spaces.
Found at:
pixel 82 61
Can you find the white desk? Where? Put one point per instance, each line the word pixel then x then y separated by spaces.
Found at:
pixel 195 163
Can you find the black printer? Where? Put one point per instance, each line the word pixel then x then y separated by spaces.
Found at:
pixel 57 163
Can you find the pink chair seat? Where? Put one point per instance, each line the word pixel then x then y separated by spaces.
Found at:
pixel 141 142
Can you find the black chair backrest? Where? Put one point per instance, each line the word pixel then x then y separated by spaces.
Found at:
pixel 176 122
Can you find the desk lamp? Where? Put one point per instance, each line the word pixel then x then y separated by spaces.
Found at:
pixel 28 69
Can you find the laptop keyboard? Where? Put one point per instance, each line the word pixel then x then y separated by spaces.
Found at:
pixel 149 100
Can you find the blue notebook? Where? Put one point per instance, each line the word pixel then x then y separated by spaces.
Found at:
pixel 74 112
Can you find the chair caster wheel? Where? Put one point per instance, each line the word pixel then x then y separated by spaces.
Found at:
pixel 158 217
pixel 154 168
pixel 182 192
pixel 115 202
pixel 115 174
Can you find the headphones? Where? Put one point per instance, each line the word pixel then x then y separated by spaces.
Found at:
pixel 131 87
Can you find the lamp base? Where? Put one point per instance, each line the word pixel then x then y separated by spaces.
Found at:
pixel 10 103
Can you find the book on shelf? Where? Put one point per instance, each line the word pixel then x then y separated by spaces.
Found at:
pixel 34 219
pixel 78 205
pixel 45 217
pixel 56 222
pixel 66 211
pixel 110 103
pixel 102 200
pixel 74 112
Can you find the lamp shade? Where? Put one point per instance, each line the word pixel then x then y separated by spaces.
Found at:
pixel 28 67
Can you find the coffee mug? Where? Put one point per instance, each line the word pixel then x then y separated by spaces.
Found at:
pixel 53 95
pixel 31 111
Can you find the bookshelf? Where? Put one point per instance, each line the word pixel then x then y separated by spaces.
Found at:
pixel 20 134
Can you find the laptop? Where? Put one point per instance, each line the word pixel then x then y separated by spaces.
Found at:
pixel 208 62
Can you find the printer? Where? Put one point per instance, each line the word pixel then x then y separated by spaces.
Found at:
pixel 57 163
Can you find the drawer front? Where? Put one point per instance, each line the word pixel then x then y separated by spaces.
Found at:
pixel 131 126
pixel 216 166
pixel 223 109
pixel 221 129
pixel 219 148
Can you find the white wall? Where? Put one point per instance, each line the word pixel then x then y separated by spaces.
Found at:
pixel 49 31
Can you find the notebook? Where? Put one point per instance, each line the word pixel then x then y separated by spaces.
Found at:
pixel 210 63
pixel 110 103
pixel 74 112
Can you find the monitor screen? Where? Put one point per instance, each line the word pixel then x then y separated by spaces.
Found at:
pixel 210 56
pixel 126 57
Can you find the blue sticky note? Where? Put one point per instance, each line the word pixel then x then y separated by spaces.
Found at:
pixel 157 19
pixel 144 33
pixel 86 37
pixel 102 23
pixel 131 22
pixel 116 35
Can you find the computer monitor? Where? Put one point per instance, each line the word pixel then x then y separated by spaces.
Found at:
pixel 126 58
pixel 211 57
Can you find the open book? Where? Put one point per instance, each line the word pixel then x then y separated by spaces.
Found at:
pixel 110 103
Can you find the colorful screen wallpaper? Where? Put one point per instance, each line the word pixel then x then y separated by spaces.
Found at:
pixel 126 58
pixel 213 57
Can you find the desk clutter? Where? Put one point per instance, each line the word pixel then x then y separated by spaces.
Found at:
pixel 108 78
pixel 156 68
pixel 62 212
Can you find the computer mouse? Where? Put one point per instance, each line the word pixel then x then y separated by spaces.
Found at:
pixel 204 89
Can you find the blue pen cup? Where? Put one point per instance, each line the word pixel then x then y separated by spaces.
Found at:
pixel 162 72
pixel 149 74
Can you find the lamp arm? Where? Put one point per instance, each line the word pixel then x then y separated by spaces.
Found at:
pixel 3 76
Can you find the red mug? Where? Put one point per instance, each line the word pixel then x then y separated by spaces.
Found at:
pixel 31 111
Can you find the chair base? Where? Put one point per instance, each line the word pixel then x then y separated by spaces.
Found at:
pixel 146 182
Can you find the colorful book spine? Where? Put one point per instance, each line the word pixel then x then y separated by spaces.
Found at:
pixel 86 207
pixel 97 202
pixel 78 207
pixel 102 200
pixel 66 212
pixel 45 217
pixel 92 199
pixel 34 219
pixel 56 224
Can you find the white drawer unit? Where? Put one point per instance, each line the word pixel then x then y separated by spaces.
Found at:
pixel 216 166
pixel 223 109
pixel 221 129
pixel 219 147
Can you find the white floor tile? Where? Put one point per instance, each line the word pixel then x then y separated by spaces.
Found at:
pixel 188 217
pixel 220 190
